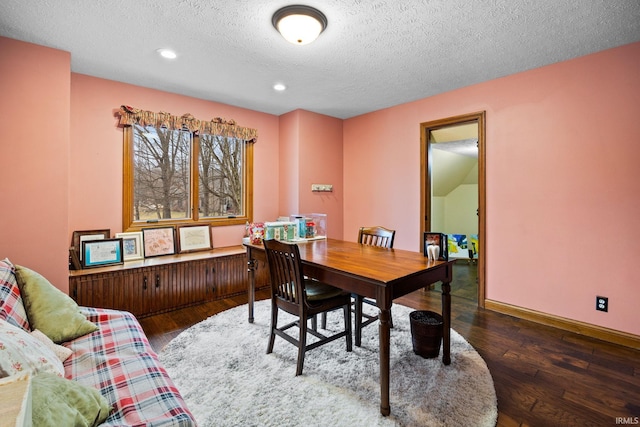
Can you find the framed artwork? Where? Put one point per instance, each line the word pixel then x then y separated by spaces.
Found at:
pixel 159 241
pixel 99 253
pixel 458 246
pixel 194 237
pixel 85 236
pixel 474 244
pixel 132 247
pixel 438 240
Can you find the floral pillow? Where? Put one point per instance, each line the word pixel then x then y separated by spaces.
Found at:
pixel 21 353
pixel 60 351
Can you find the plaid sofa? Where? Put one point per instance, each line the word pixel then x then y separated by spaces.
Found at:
pixel 117 360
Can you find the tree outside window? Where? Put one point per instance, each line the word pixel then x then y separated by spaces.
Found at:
pixel 161 173
pixel 177 176
pixel 220 166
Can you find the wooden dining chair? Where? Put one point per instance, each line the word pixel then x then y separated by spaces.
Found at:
pixel 301 297
pixel 376 236
pixel 373 236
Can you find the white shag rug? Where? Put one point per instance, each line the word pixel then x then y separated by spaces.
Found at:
pixel 223 372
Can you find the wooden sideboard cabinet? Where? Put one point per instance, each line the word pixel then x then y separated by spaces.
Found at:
pixel 161 284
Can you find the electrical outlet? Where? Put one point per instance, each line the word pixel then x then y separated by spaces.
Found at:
pixel 602 304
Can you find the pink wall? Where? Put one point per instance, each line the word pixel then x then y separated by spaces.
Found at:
pixel 311 153
pixel 289 164
pixel 562 183
pixel 382 174
pixel 321 163
pixel 34 112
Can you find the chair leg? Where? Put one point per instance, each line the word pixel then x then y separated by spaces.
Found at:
pixel 358 316
pixel 274 324
pixel 347 325
pixel 314 322
pixel 302 344
pixel 323 320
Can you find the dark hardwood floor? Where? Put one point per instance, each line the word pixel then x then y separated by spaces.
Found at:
pixel 465 280
pixel 543 376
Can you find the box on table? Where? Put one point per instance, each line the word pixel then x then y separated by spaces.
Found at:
pixel 256 232
pixel 311 226
pixel 280 230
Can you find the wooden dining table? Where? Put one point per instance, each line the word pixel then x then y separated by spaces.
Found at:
pixel 378 273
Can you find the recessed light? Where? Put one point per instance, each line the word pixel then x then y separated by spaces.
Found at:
pixel 279 87
pixel 167 53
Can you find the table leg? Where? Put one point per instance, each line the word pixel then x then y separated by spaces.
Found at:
pixel 384 339
pixel 446 322
pixel 251 268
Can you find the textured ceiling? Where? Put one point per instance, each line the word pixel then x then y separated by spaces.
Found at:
pixel 373 54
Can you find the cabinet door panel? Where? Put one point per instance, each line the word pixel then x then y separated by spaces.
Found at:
pixel 131 292
pixel 197 282
pixel 231 275
pixel 164 291
pixel 207 285
pixel 94 291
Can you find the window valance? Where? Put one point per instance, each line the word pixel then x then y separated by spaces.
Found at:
pixel 216 126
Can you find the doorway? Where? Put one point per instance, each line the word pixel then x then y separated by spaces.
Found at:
pixel 458 145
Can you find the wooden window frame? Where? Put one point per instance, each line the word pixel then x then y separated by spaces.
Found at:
pixel 128 222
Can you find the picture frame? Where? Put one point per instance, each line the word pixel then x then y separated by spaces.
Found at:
pixel 439 239
pixel 194 237
pixel 132 247
pixel 87 235
pixel 101 252
pixel 159 241
pixel 458 246
pixel 74 259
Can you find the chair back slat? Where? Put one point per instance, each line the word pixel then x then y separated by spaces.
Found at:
pixel 285 270
pixel 376 236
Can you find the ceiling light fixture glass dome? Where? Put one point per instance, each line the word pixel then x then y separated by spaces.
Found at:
pixel 299 24
pixel 167 53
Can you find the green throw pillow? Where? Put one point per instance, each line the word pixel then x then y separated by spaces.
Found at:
pixel 58 402
pixel 49 310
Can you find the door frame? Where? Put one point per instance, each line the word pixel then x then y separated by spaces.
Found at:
pixel 425 187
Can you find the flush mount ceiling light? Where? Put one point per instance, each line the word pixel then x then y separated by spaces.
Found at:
pixel 299 24
pixel 167 53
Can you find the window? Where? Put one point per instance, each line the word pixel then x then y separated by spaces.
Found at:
pixel 177 176
pixel 161 174
pixel 220 184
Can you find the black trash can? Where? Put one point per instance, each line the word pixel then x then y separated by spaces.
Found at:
pixel 426 333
